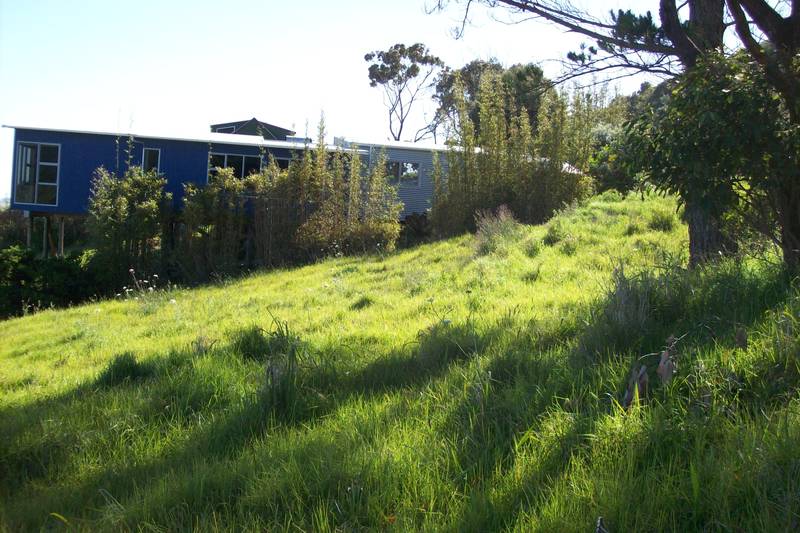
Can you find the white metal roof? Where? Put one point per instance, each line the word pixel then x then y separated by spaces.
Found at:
pixel 204 137
pixel 404 145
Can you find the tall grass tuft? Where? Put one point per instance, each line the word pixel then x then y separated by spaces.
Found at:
pixel 281 389
pixel 495 230
pixel 661 220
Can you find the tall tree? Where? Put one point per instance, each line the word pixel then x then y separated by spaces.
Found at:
pixel 404 73
pixel 777 54
pixel 629 42
pixel 523 84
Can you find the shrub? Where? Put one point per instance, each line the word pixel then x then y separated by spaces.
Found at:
pixel 282 372
pixel 12 227
pixel 633 228
pixel 251 343
pixel 416 228
pixel 29 282
pixel 128 217
pixel 569 245
pixel 16 274
pixel 554 234
pixel 214 219
pixel 505 162
pixel 608 170
pixel 532 247
pixel 609 196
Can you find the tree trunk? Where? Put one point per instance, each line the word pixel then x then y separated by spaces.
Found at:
pixel 707 241
pixel 789 220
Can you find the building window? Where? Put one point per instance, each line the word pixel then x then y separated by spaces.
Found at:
pixel 226 129
pixel 36 180
pixel 242 165
pixel 403 173
pixel 151 159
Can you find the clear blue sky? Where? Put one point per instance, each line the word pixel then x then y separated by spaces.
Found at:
pixel 182 65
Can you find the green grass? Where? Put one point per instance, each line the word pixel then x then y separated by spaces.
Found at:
pixel 452 386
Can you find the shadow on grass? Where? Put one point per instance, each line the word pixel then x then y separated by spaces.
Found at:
pixel 705 307
pixel 169 392
pixel 511 380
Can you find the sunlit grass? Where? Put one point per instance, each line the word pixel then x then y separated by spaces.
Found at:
pixel 455 385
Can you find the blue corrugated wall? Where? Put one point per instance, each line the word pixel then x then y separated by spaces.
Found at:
pixel 415 198
pixel 82 153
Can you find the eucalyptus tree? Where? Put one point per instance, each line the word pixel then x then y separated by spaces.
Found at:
pixel 404 73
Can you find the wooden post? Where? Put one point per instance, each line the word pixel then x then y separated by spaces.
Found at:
pixel 61 236
pixel 44 236
pixel 28 229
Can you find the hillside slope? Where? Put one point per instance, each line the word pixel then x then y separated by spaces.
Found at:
pixel 457 386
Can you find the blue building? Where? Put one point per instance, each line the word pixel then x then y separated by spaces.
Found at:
pixel 53 168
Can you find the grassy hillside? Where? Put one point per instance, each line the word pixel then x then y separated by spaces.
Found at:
pixel 470 384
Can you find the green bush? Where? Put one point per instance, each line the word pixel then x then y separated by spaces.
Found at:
pixel 12 227
pixel 506 162
pixel 555 233
pixel 128 219
pixel 608 170
pixel 353 211
pixel 214 227
pixel 28 282
pixel 532 247
pixel 569 245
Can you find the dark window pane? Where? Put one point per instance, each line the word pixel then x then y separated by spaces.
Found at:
pixel 24 193
pixel 150 159
pixel 48 173
pixel 49 153
pixel 46 195
pixel 251 165
pixel 236 162
pixel 217 160
pixel 283 163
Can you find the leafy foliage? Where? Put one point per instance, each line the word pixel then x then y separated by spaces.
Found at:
pixel 214 218
pixel 505 163
pixel 523 88
pixel 29 283
pixel 128 217
pixel 323 204
pixel 724 138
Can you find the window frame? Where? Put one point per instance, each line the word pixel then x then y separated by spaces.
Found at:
pixel 39 163
pixel 231 128
pixel 397 181
pixel 158 160
pixel 225 162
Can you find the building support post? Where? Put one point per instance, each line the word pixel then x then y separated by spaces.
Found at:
pixel 61 236
pixel 28 229
pixel 44 237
